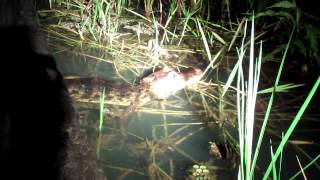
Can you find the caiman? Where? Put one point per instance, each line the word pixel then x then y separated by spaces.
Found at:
pixel 159 85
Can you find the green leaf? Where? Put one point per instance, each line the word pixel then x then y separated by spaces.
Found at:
pixel 270 56
pixel 293 125
pixel 272 13
pixel 266 13
pixel 312 34
pixel 280 88
pixel 284 4
pixel 301 47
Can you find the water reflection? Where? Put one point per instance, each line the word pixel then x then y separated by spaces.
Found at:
pixel 164 139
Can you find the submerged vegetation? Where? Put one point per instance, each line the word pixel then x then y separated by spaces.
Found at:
pixel 236 95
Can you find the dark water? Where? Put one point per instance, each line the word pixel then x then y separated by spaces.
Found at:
pixel 130 157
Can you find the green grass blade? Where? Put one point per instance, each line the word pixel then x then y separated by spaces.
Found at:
pixel 280 88
pixel 306 167
pixel 205 42
pixel 280 162
pixel 274 169
pixel 241 56
pixel 294 124
pixel 184 29
pixel 240 107
pixel 212 61
pixel 231 77
pixel 102 97
pixel 100 122
pixel 263 127
pixel 283 4
pixel 237 33
pixel 250 104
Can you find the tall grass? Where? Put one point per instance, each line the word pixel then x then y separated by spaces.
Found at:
pixel 246 100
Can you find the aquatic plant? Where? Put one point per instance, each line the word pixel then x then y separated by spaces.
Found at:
pixel 246 101
pixel 101 119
